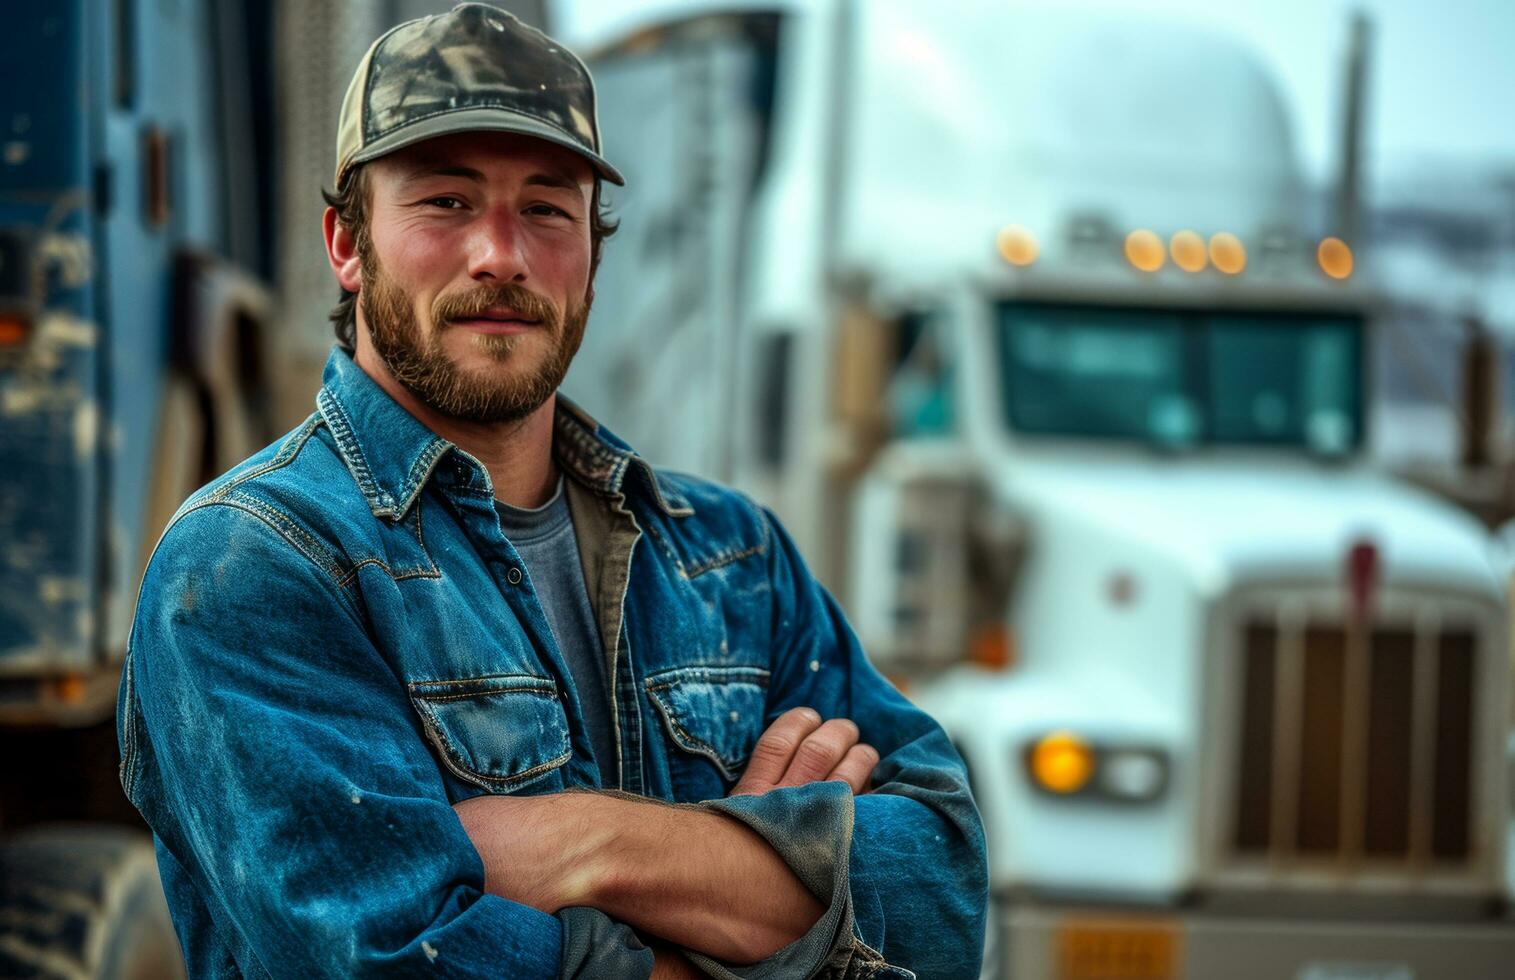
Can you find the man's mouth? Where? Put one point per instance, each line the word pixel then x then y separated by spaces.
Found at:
pixel 501 320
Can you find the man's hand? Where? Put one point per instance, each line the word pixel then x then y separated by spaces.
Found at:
pixel 699 879
pixel 798 749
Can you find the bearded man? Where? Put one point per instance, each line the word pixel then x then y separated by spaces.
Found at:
pixel 449 680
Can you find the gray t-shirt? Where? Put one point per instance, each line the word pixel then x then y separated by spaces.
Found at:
pixel 545 538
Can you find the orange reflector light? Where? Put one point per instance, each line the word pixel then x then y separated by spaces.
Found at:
pixel 1227 253
pixel 1062 762
pixel 1145 250
pixel 1119 949
pixel 1017 245
pixel 992 646
pixel 1188 251
pixel 70 688
pixel 13 329
pixel 1335 258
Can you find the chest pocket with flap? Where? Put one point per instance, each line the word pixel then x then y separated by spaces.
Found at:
pixel 713 716
pixel 502 732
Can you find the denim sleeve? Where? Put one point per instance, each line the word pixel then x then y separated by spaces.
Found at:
pixel 276 757
pixel 902 868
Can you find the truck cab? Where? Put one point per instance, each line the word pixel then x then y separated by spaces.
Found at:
pixel 1032 332
pixel 133 335
pixel 1230 672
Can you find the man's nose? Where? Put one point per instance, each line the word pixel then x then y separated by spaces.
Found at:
pixel 497 250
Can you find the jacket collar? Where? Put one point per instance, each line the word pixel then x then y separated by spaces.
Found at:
pixel 391 454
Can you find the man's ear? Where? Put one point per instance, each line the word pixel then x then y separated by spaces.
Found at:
pixel 341 252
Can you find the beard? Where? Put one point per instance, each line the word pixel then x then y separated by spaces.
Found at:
pixel 418 360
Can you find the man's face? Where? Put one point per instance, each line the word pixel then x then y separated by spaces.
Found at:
pixel 475 280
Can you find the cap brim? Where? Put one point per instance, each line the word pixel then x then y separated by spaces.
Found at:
pixel 476 120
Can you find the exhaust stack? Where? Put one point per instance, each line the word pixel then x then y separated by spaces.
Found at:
pixel 1348 212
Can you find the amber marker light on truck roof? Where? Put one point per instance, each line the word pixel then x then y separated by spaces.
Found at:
pixel 1145 250
pixel 1227 253
pixel 1017 245
pixel 1061 762
pixel 1335 258
pixel 1188 251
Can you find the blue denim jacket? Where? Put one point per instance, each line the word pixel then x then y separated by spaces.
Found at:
pixel 335 642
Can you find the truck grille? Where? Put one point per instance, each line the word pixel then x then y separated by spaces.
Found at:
pixel 1355 743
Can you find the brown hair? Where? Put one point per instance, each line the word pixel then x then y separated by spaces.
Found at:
pixel 352 202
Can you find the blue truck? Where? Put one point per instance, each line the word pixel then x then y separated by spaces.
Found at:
pixel 134 189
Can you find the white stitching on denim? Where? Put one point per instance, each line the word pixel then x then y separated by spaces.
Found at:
pixel 689 742
pixel 401 576
pixel 457 768
pixel 721 559
pixel 398 575
pixel 671 676
pixel 416 479
pixel 315 550
pixel 474 695
pixel 662 499
pixel 468 491
pixel 539 683
pixel 454 760
pixel 421 540
pixel 729 555
pixel 239 504
pixel 347 442
pixel 663 680
pixel 308 543
pixel 291 447
pixel 287 452
pixel 126 775
pixel 666 546
pixel 286 529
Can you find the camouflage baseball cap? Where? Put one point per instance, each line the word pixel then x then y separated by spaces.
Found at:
pixel 473 68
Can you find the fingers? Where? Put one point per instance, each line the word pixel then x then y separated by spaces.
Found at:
pixel 798 749
pixel 856 766
pixel 774 750
pixel 821 751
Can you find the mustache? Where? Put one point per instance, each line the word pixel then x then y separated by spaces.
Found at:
pixel 475 302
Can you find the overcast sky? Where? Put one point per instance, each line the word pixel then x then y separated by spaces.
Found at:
pixel 1442 83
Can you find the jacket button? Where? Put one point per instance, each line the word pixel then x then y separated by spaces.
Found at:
pixel 513 576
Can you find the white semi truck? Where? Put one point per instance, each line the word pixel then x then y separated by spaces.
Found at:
pixel 1023 323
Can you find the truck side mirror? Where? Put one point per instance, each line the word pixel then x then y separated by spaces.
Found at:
pixel 934 558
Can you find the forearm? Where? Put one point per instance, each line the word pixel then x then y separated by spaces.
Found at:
pixel 693 877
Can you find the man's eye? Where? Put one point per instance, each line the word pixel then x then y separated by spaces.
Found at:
pixel 546 209
pixel 449 203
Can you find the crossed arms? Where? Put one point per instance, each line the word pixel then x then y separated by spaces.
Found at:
pixel 304 828
pixel 687 875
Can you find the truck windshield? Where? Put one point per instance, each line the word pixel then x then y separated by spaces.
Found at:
pixel 1182 378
